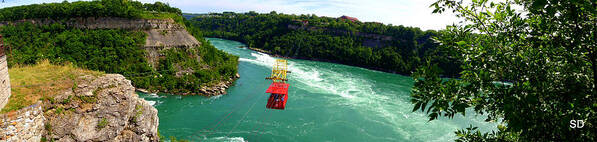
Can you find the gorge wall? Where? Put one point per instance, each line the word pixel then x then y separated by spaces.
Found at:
pixel 162 34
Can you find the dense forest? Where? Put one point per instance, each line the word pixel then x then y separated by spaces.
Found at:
pixel 103 8
pixel 390 48
pixel 113 50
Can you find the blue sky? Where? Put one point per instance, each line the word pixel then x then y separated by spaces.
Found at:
pixel 414 13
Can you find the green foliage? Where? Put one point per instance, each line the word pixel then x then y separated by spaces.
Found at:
pixel 112 50
pixel 98 8
pixel 49 99
pixel 88 99
pixel 372 45
pixel 75 85
pixel 138 113
pixel 48 128
pixel 532 71
pixel 102 123
pixel 67 100
pixel 117 51
pixel 173 139
pixel 59 110
pixel 471 134
pixel 214 67
pixel 159 7
pixel 160 136
pixel 106 50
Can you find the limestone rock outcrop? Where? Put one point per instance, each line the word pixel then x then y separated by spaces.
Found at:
pixel 101 109
pixel 219 88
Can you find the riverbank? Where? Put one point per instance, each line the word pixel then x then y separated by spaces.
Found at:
pixel 214 89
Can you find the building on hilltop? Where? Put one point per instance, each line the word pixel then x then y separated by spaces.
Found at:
pixel 349 18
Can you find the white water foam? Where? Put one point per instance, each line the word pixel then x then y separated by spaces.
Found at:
pixel 229 139
pixel 262 59
pixel 355 91
pixel 152 103
pixel 153 95
pixel 360 93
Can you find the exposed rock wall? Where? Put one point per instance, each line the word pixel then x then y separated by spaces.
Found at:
pixel 161 32
pixel 105 23
pixel 162 39
pixel 4 81
pixel 25 125
pixel 101 109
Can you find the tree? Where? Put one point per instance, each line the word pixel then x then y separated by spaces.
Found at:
pixel 532 70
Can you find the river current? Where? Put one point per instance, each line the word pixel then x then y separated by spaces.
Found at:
pixel 327 102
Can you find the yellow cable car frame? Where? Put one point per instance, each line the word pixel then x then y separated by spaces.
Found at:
pixel 279 71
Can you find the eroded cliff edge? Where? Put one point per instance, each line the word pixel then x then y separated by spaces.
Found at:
pixel 101 109
pixel 97 108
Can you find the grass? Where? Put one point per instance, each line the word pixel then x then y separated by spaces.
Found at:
pixel 88 99
pixel 139 112
pixel 41 81
pixel 103 123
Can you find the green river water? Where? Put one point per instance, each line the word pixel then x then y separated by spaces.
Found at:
pixel 327 102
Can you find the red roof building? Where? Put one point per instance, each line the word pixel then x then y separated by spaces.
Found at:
pixel 349 18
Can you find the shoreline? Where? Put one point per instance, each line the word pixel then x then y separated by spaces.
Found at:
pixel 208 91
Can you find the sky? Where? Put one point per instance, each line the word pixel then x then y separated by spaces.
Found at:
pixel 413 13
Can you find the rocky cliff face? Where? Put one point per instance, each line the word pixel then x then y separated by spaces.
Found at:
pixel 105 23
pixel 161 32
pixel 101 109
pixel 159 40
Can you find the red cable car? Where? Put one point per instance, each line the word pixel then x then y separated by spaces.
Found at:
pixel 279 95
pixel 279 88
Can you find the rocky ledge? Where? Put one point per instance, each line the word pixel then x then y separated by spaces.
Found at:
pixel 210 90
pixel 102 108
pixel 219 88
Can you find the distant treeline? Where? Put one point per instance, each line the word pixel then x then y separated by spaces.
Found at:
pixel 103 8
pixel 372 45
pixel 114 50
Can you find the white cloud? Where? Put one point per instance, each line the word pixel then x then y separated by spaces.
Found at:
pixel 397 12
